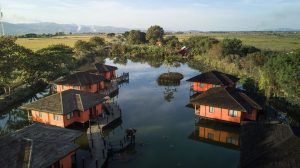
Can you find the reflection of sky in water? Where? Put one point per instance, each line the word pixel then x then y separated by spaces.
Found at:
pixel 163 127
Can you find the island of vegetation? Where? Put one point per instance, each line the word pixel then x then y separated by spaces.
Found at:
pixel 169 78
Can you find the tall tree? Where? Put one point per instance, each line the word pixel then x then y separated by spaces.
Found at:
pixel 136 37
pixel 12 57
pixel 97 41
pixel 232 47
pixel 55 61
pixel 155 34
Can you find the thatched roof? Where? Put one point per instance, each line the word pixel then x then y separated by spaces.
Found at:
pixel 230 98
pixel 215 77
pixel 269 146
pixel 66 102
pixel 80 79
pixel 37 145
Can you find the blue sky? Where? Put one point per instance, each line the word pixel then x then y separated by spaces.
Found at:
pixel 203 15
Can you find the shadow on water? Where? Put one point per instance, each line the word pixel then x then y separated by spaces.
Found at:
pixel 16 118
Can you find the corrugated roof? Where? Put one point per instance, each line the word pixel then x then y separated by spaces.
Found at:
pixel 215 77
pixel 229 98
pixel 80 78
pixel 66 102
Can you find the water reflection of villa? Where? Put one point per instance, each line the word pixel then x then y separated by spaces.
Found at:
pixel 226 104
pixel 216 133
pixel 211 79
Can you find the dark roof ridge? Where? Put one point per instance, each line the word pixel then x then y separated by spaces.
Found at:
pixel 76 74
pixel 228 89
pixel 250 99
pixel 216 76
pixel 61 101
pixel 79 100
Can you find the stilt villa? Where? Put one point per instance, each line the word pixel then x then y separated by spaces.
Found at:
pixel 107 71
pixel 226 104
pixel 83 81
pixel 211 79
pixel 64 108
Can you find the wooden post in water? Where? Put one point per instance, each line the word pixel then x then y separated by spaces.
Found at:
pixel 83 166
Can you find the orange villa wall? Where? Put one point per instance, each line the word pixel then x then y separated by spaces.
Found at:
pixel 48 118
pixel 84 116
pixel 219 135
pixel 66 162
pixel 250 116
pixel 219 114
pixel 197 87
pixel 109 75
pixel 88 88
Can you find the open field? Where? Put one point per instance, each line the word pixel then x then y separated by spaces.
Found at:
pixel 39 43
pixel 271 41
pixel 263 40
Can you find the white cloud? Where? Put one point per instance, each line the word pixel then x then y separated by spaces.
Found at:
pixel 178 15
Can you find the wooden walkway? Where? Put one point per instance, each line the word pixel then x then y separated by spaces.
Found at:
pixel 110 90
pixel 121 79
pixel 99 146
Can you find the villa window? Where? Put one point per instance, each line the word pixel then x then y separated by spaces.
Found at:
pixel 211 109
pixel 233 113
pixel 210 136
pixel 90 86
pixel 40 114
pixel 231 140
pixel 70 115
pixel 62 87
pixel 202 85
pixel 56 117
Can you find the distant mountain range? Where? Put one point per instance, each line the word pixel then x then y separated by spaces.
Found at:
pixel 47 27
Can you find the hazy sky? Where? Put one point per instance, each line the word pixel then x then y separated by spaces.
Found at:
pixel 170 14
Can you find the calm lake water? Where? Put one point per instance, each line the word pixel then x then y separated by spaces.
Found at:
pixel 164 126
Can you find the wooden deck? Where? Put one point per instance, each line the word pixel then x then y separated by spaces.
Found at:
pixel 99 145
pixel 113 88
pixel 122 78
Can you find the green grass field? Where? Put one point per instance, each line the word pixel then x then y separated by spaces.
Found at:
pixel 271 41
pixel 39 43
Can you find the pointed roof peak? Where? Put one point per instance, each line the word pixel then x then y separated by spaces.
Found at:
pixel 214 77
pixel 227 97
pixel 66 102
